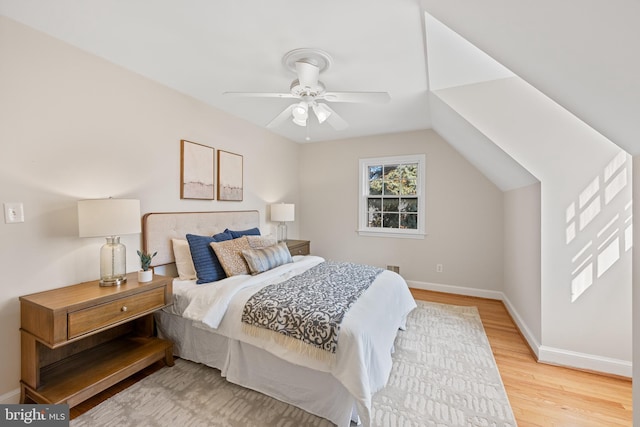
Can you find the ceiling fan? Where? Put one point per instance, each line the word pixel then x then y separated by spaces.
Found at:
pixel 309 91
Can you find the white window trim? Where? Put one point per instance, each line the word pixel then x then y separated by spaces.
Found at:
pixel 363 229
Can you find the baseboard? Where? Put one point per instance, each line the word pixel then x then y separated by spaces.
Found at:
pixel 544 354
pixel 10 397
pixel 531 340
pixel 586 362
pixel 458 290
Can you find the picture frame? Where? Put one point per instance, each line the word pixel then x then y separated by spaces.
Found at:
pixel 230 176
pixel 197 165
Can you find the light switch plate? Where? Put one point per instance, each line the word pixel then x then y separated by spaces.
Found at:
pixel 13 212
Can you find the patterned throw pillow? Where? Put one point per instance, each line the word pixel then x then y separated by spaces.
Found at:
pixel 229 254
pixel 259 242
pixel 208 268
pixel 260 260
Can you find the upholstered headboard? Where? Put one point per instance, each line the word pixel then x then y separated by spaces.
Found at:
pixel 159 228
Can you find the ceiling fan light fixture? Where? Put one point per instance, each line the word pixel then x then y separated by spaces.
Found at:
pixel 300 122
pixel 322 112
pixel 300 111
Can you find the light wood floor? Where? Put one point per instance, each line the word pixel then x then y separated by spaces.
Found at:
pixel 540 395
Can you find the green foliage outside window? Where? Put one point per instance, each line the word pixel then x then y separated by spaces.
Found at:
pixel 393 197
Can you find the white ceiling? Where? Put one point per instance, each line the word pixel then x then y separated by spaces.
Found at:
pixel 204 48
pixel 581 53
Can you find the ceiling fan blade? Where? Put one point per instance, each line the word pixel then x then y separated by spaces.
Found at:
pixel 282 117
pixel 336 122
pixel 369 97
pixel 260 95
pixel 307 74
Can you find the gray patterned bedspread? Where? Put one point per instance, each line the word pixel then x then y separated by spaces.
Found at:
pixel 310 307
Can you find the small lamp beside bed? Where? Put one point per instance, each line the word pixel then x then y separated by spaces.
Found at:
pixel 282 212
pixel 110 218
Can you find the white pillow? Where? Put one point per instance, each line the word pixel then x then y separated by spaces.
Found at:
pixel 184 263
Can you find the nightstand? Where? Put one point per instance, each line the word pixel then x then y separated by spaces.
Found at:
pixel 79 340
pixel 298 247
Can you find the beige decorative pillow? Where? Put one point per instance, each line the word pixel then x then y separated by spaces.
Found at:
pixel 259 242
pixel 184 262
pixel 229 254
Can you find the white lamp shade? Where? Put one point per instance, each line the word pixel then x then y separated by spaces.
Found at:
pixel 283 212
pixel 108 217
pixel 322 112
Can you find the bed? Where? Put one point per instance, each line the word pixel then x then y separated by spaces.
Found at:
pixel 205 324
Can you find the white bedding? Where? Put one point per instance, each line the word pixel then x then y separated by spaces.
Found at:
pixel 365 342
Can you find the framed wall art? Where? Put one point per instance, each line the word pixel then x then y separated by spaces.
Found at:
pixel 229 176
pixel 196 171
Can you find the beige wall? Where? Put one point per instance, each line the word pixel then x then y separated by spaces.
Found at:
pixel 463 212
pixel 586 199
pixel 73 126
pixel 522 284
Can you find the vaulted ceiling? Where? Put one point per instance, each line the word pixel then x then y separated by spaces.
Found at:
pixel 581 53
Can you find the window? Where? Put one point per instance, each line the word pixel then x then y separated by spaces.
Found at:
pixel 392 196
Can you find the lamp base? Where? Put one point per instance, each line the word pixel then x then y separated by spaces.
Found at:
pixel 282 232
pixel 113 262
pixel 116 281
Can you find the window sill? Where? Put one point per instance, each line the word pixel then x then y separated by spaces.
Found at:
pixel 369 233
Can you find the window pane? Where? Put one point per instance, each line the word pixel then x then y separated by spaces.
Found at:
pixel 391 188
pixel 409 221
pixel 390 170
pixel 410 170
pixel 391 180
pixel 390 220
pixel 375 219
pixel 375 179
pixel 390 205
pixel 408 205
pixel 375 172
pixel 408 187
pixel 374 205
pixel 375 187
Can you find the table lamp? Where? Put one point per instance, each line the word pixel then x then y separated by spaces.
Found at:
pixel 110 218
pixel 282 212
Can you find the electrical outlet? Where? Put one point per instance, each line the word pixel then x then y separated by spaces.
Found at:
pixel 13 212
pixel 439 268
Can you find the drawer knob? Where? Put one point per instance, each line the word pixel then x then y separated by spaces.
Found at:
pixel 124 308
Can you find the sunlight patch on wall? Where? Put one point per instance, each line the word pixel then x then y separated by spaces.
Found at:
pixel 609 255
pixel 571 227
pixel 601 252
pixel 581 282
pixel 590 212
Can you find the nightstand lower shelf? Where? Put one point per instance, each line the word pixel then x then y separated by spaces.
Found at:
pixel 84 374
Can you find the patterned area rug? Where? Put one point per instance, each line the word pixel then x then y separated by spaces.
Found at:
pixel 444 374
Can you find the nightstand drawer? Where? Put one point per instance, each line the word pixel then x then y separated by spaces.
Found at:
pixel 300 250
pixel 298 247
pixel 84 321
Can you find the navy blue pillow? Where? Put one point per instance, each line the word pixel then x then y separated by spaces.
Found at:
pixel 221 237
pixel 250 232
pixel 205 261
